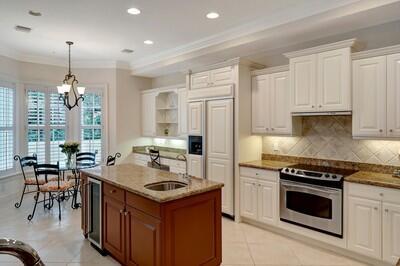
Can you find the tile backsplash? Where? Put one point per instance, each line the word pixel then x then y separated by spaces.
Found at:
pixel 329 137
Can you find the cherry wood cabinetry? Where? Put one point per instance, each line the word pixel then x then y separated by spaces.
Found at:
pixel 139 231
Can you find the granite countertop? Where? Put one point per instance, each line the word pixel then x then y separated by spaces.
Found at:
pixel 375 179
pixel 267 164
pixel 361 177
pixel 163 154
pixel 133 178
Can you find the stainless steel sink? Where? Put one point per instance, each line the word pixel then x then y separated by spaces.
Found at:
pixel 165 186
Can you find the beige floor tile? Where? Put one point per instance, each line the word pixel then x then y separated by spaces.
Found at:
pixel 236 253
pixel 276 254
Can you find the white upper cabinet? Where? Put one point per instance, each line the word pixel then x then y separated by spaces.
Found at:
pixel 200 80
pixel 320 78
pixel 280 118
pixel 369 97
pixel 334 82
pixel 211 78
pixel 270 106
pixel 182 111
pixel 393 95
pixel 149 114
pixel 195 119
pixel 303 83
pixel 260 108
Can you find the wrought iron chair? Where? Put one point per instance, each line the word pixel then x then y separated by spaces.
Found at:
pixel 55 189
pixel 111 160
pixel 29 182
pixel 83 159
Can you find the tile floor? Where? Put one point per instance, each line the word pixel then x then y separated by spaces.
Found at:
pixel 62 243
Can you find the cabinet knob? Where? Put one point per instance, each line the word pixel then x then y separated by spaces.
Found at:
pixel 112 191
pixel 375 208
pixel 386 210
pixel 272 128
pixel 380 130
pixel 267 128
pixel 125 213
pixel 390 130
pixel 121 211
pixel 381 194
pixel 319 106
pixel 312 106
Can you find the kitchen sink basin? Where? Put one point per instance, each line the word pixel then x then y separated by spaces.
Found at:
pixel 165 186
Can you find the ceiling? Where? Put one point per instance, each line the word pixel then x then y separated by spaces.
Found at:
pixel 183 37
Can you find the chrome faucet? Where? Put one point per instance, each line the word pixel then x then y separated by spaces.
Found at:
pixel 24 252
pixel 186 176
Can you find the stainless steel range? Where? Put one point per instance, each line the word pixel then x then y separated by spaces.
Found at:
pixel 312 196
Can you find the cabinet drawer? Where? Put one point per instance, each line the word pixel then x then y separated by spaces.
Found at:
pixel 222 76
pixel 259 173
pixel 113 192
pixel 374 192
pixel 140 203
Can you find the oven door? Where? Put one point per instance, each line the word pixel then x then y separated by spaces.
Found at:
pixel 311 206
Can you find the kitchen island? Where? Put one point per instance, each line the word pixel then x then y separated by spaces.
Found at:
pixel 144 223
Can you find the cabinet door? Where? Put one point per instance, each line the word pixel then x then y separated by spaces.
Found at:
pixel 303 83
pixel 391 232
pixel 200 80
pixel 84 208
pixel 260 113
pixel 220 129
pixel 267 202
pixel 280 117
pixel 221 76
pixel 149 114
pixel 143 243
pixel 114 228
pixel 195 165
pixel 248 198
pixel 364 226
pixel 334 82
pixel 182 111
pixel 195 119
pixel 221 170
pixel 393 95
pixel 369 97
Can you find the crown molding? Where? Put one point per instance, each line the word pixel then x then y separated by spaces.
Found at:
pixel 230 62
pixel 270 70
pixel 376 52
pixel 352 43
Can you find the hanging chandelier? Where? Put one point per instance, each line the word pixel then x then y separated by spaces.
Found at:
pixel 67 89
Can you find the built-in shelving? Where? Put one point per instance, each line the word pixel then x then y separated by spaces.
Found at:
pixel 167 113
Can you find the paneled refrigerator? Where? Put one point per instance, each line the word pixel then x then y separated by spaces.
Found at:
pixel 211 149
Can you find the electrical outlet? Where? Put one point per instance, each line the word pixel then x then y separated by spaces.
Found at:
pixel 276 146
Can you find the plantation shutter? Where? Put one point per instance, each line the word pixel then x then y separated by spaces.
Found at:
pixel 7 127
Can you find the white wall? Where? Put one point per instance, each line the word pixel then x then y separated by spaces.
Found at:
pixel 168 80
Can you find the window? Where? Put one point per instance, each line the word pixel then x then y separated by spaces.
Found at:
pixel 46 129
pixel 7 127
pixel 91 124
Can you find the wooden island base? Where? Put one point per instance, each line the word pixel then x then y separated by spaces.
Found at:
pixel 140 231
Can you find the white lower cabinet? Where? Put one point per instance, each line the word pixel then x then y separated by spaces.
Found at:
pixel 374 221
pixel 258 197
pixel 195 165
pixel 391 232
pixel 364 226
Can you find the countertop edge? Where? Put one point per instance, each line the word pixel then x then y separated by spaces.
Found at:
pixel 350 179
pixel 147 196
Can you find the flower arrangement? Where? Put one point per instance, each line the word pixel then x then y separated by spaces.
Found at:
pixel 69 148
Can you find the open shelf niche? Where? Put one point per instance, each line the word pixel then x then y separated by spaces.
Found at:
pixel 167 113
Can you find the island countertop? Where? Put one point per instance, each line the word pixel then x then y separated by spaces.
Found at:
pixel 133 178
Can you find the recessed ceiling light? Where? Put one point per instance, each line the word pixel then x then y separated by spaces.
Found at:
pixel 23 28
pixel 148 42
pixel 34 13
pixel 127 51
pixel 133 11
pixel 212 15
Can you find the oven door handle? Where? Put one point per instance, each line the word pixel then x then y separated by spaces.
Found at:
pixel 318 189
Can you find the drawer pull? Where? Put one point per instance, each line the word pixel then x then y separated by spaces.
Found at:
pixel 121 211
pixel 375 208
pixel 112 191
pixel 386 210
pixel 381 194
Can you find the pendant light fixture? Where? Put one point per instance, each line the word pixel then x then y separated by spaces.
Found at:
pixel 67 89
